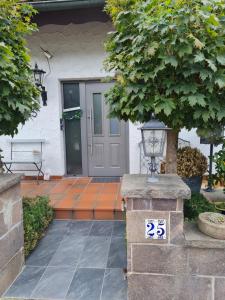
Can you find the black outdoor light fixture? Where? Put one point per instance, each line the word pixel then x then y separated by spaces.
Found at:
pixel 153 135
pixel 38 79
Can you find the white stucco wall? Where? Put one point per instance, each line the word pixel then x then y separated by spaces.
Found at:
pixel 78 52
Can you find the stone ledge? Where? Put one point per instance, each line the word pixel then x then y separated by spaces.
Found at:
pixel 8 180
pixel 169 186
pixel 196 239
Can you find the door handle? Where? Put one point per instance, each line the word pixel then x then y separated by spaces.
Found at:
pixel 91 132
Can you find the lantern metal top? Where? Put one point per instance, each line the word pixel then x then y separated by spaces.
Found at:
pixel 154 124
pixel 37 70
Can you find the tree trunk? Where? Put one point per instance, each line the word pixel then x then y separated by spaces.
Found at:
pixel 171 152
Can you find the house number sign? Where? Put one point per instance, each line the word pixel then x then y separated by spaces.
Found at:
pixel 155 229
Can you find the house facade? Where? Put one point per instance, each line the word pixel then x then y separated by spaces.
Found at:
pixel 79 137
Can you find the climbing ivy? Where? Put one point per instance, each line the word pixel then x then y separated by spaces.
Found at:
pixel 18 94
pixel 169 58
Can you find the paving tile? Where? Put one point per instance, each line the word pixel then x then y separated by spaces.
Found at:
pixel 46 248
pixel 101 228
pixel 86 284
pixel 117 253
pixel 111 188
pixel 95 253
pixel 61 187
pixel 63 214
pixel 67 203
pixel 105 204
pixel 83 180
pixel 87 197
pixel 104 214
pixel 58 227
pixel 114 286
pixel 119 228
pixel 119 215
pixel 79 228
pixel 54 283
pixel 55 198
pixel 69 251
pixel 26 282
pixel 94 187
pixel 107 197
pixel 83 214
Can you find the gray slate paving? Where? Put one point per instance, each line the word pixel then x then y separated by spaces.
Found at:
pixel 76 260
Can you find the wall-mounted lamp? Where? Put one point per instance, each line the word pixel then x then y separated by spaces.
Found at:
pixel 38 79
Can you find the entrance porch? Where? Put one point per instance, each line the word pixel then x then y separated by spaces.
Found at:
pixel 79 198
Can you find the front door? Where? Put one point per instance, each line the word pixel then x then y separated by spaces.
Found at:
pixel 106 136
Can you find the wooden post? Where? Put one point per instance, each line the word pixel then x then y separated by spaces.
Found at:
pixel 171 152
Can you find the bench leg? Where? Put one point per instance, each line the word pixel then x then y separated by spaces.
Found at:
pixel 39 168
pixel 8 168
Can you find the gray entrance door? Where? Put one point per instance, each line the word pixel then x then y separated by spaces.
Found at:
pixel 106 136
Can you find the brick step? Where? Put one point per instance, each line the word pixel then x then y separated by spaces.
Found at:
pixel 88 214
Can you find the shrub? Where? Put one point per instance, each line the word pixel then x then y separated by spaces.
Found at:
pixel 190 162
pixel 196 205
pixel 37 214
pixel 219 160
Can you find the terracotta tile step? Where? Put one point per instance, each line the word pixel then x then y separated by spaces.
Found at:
pixel 88 214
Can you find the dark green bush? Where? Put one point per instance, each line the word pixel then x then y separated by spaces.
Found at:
pixel 37 214
pixel 196 205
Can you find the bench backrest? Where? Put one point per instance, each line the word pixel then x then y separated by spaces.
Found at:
pixel 26 149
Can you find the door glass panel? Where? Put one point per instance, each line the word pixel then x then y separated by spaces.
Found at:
pixel 73 145
pixel 114 125
pixel 71 94
pixel 97 113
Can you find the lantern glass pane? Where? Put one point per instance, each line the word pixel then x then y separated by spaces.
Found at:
pixel 154 141
pixel 36 78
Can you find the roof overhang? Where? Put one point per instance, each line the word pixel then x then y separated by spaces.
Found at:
pixel 54 5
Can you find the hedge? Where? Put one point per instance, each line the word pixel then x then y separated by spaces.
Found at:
pixel 37 214
pixel 197 205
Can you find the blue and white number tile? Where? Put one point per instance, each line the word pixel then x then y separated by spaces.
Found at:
pixel 155 229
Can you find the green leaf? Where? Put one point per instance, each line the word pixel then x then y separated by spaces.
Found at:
pixel 197 99
pixel 167 107
pixel 171 60
pixel 184 49
pixel 221 114
pixel 220 81
pixel 213 20
pixel 221 59
pixel 199 57
pixel 204 74
pixel 205 116
pixel 211 65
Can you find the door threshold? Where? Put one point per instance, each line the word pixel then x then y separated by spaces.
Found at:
pixel 109 179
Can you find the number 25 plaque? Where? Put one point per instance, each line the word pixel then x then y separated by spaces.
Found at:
pixel 155 229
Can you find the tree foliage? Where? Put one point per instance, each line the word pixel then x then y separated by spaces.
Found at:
pixel 169 58
pixel 18 94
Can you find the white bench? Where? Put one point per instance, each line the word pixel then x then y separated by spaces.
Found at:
pixel 22 156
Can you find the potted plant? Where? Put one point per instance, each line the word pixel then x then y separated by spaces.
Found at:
pixel 220 206
pixel 191 165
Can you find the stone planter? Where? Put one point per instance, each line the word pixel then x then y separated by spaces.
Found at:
pixel 212 224
pixel 194 183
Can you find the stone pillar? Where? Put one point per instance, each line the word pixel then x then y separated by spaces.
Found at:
pixel 11 230
pixel 154 265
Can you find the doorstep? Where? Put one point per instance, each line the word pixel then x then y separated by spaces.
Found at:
pixel 79 198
